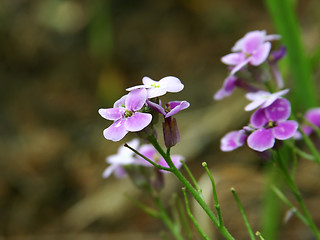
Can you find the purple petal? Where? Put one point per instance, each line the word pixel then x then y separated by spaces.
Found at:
pixel 119 172
pixel 261 140
pixel 176 159
pixel 121 102
pixel 156 92
pixel 149 152
pixel 313 116
pixel 285 130
pixel 280 110
pixel 273 97
pixel 137 122
pixel 157 107
pixel 227 88
pixel 116 131
pixel 136 99
pixel 171 84
pixel 253 105
pixel 111 113
pixel 261 54
pixel 258 118
pixel 239 66
pixel 252 41
pixel 233 58
pixel 232 140
pixel 176 107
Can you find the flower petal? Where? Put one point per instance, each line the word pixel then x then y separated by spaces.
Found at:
pixel 285 130
pixel 313 116
pixel 156 92
pixel 121 102
pixel 261 140
pixel 239 66
pixel 253 41
pixel 279 110
pixel 137 122
pixel 116 131
pixel 233 58
pixel 177 106
pixel 261 54
pixel 258 118
pixel 232 140
pixel 148 81
pixel 109 170
pixel 136 87
pixel 111 113
pixel 136 99
pixel 171 84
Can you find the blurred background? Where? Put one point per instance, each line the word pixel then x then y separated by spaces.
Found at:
pixel 62 60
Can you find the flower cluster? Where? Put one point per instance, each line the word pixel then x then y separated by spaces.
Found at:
pixel 269 122
pixel 131 113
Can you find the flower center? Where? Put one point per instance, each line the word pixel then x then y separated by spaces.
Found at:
pixel 167 108
pixel 271 124
pixel 155 85
pixel 127 114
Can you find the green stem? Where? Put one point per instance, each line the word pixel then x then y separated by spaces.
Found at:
pixel 223 230
pixel 195 183
pixel 167 221
pixel 297 195
pixel 258 234
pixel 192 217
pixel 214 193
pixel 245 219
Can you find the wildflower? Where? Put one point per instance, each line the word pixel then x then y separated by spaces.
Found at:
pixel 159 88
pixel 124 157
pixel 151 153
pixel 171 107
pixel 233 140
pixel 126 115
pixel 312 117
pixel 263 99
pixel 271 123
pixel 253 49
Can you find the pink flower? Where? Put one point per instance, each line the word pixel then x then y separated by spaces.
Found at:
pixel 312 116
pixel 253 49
pixel 233 140
pixel 159 88
pixel 263 99
pixel 124 157
pixel 126 115
pixel 227 89
pixel 271 123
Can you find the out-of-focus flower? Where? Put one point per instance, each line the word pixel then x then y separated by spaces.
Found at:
pixel 233 140
pixel 252 49
pixel 263 99
pixel 161 87
pixel 312 116
pixel 126 116
pixel 124 157
pixel 227 89
pixel 271 123
pixel 150 152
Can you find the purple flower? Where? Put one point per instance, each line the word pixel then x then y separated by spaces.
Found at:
pixel 124 157
pixel 253 49
pixel 159 88
pixel 126 116
pixel 151 153
pixel 233 140
pixel 271 123
pixel 312 116
pixel 263 99
pixel 228 87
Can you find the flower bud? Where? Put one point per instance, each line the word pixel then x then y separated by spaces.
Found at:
pixel 170 132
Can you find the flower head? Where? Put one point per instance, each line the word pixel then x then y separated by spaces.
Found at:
pixel 253 49
pixel 159 88
pixel 263 99
pixel 171 108
pixel 124 157
pixel 126 115
pixel 271 123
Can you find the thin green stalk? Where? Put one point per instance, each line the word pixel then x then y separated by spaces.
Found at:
pixel 146 209
pixel 311 146
pixel 245 219
pixel 258 234
pixel 223 230
pixel 192 217
pixel 297 195
pixel 147 159
pixel 184 218
pixel 214 193
pixel 193 180
pixel 286 201
pixel 167 221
